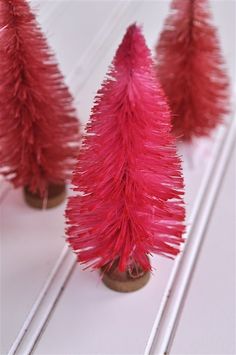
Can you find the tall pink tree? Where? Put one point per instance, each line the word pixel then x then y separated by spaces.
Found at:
pixel 128 176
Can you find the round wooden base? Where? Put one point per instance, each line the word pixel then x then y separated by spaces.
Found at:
pixel 126 281
pixel 56 195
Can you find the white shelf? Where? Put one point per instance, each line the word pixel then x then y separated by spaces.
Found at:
pixel 207 322
pixel 31 242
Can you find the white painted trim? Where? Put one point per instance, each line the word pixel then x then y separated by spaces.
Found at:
pixel 167 319
pixel 46 300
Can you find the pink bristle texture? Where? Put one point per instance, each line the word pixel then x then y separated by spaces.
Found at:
pixel 191 69
pixel 39 130
pixel 128 177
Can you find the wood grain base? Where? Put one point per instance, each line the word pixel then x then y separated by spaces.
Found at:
pixel 56 195
pixel 125 281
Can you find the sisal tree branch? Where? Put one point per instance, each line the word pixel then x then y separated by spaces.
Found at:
pixel 38 125
pixel 191 69
pixel 128 176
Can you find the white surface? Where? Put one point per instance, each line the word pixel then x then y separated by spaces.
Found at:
pixel 184 265
pixel 31 242
pixel 91 319
pixel 65 24
pixel 85 36
pixel 48 296
pixel 208 322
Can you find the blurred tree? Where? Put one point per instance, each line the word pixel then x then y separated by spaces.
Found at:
pixel 39 129
pixel 191 69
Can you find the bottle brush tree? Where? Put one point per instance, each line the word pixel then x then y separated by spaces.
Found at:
pixel 191 69
pixel 38 125
pixel 128 179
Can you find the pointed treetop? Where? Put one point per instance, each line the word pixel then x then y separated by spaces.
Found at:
pixel 133 51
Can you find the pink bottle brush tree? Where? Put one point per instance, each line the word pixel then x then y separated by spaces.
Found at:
pixel 191 69
pixel 38 125
pixel 128 176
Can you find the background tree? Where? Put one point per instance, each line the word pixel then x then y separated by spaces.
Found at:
pixel 191 70
pixel 38 125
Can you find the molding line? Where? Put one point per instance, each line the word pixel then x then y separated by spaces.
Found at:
pixel 100 45
pixel 167 319
pixel 39 313
pixel 49 11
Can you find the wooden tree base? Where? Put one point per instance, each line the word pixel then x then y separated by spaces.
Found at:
pixel 128 281
pixel 56 195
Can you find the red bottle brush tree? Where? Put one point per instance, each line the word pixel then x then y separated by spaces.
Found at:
pixel 191 70
pixel 128 176
pixel 38 126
